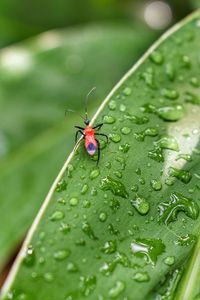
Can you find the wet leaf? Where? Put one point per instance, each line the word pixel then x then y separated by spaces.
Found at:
pixel 126 252
pixel 38 81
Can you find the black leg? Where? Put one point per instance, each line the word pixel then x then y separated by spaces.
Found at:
pixel 98 126
pixel 78 127
pixel 76 137
pixel 102 134
pixel 98 151
pixel 78 142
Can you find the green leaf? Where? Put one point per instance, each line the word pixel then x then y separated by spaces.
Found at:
pixel 128 228
pixel 33 99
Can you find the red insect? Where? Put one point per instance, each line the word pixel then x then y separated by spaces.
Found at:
pixel 89 135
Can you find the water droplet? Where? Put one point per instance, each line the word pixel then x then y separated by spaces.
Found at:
pixel 87 229
pixel 134 188
pixel 149 77
pixel 124 148
pixel 192 98
pixel 170 72
pixel 86 203
pixel 156 184
pixel 118 174
pixel 93 191
pixel 168 142
pixel 112 230
pixel 170 94
pixel 112 105
pixel 156 154
pixel 87 285
pixel 48 277
pixel 109 247
pixel 140 136
pixel 116 138
pixel 61 254
pixel 186 157
pixel 186 61
pixel 57 215
pixel 108 120
pixel 194 82
pixel 115 186
pixel 64 228
pixel 141 205
pixel 182 175
pixel 157 57
pixel 61 186
pixel 150 249
pixel 70 169
pixel 122 108
pixel 114 204
pixel 73 201
pixel 84 189
pixel 103 216
pixel 169 260
pixel 94 174
pixel 136 120
pixel 186 240
pixel 141 277
pixel 169 210
pixel 138 171
pixel 171 112
pixel 72 267
pixel 117 289
pixel 127 91
pixel 29 256
pixel 125 130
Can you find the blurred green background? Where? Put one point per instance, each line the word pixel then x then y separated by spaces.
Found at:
pixel 52 53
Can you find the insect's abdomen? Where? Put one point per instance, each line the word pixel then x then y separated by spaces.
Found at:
pixel 90 145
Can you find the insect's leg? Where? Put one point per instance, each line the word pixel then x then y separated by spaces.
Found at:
pixel 98 126
pixel 78 142
pixel 102 134
pixel 78 127
pixel 98 151
pixel 76 137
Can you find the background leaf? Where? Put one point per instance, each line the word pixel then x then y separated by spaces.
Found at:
pixel 128 226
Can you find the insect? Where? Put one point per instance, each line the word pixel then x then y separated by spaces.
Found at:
pixel 89 134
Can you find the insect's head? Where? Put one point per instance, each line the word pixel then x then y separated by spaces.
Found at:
pixel 87 121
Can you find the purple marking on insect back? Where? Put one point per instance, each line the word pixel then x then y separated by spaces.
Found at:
pixel 91 148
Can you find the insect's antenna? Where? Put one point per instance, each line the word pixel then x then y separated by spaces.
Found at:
pixel 86 100
pixel 73 111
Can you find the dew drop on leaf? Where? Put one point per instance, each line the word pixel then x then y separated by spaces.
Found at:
pixel 94 174
pixel 116 138
pixel 156 184
pixel 115 186
pixel 61 254
pixel 118 288
pixel 169 260
pixel 112 105
pixel 182 175
pixel 141 277
pixel 157 57
pixel 141 205
pixel 61 186
pixel 57 215
pixel 108 119
pixel 169 210
pixel 149 249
